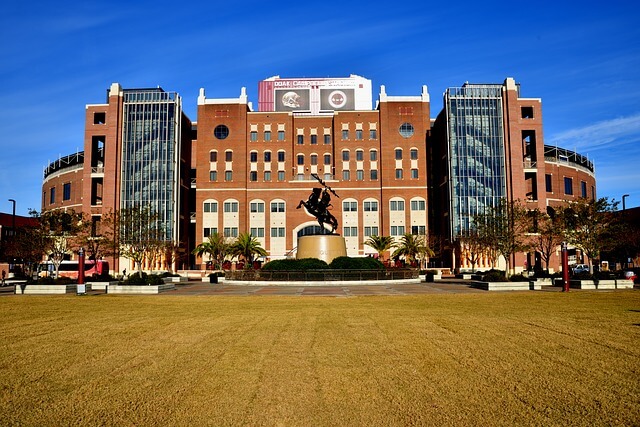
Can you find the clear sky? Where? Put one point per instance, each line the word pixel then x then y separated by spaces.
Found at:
pixel 582 59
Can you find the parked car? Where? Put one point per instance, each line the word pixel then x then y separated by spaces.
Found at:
pixel 580 268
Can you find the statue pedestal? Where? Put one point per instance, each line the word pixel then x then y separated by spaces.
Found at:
pixel 322 246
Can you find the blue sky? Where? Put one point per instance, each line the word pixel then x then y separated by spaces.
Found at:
pixel 584 62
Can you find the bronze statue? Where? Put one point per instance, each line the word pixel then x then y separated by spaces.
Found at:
pixel 318 205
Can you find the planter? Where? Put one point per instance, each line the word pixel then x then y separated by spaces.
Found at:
pixel 140 289
pixel 33 289
pixel 507 286
pixel 624 284
pixel 102 286
pixel 582 284
pixel 175 279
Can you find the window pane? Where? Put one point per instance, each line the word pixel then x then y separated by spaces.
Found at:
pixel 213 156
pixel 314 139
pixel 228 156
pixel 345 155
pixel 360 155
pixel 267 156
pixel 373 155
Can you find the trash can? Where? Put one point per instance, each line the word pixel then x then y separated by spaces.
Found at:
pixel 213 278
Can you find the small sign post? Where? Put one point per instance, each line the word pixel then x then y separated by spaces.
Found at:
pixel 81 288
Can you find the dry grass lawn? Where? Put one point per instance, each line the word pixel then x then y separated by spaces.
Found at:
pixel 511 359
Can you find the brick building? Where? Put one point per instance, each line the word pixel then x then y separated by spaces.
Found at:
pixel 238 170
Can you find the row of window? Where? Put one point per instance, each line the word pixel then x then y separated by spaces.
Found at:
pixel 66 193
pixel 395 231
pixel 346 175
pixel 281 156
pixel 313 139
pixel 347 206
pixel 568 186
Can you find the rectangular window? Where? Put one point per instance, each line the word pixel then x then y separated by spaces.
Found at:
pixel 370 231
pixel 397 230
pixel 327 159
pixel 327 139
pixel 253 176
pixel 277 206
pixel 314 139
pixel 359 175
pixel 583 189
pixel 418 205
pixel 314 159
pixel 257 232
pixel 52 195
pixel 211 207
pixel 350 231
pixel 213 175
pixel 568 186
pixel 345 156
pixel 267 175
pixel 277 232
pixel 398 153
pixel 209 231
pixel 253 136
pixel 345 134
pixel 373 155
pixel 228 175
pixel 228 156
pixel 346 175
pixel 66 191
pixel 281 156
pixel 398 173
pixel 267 156
pixel 359 155
pixel 213 156
pixel 371 206
pixel 300 139
pixel 280 175
pixel 373 134
pixel 231 232
pixel 280 135
pixel 300 159
pixel 414 173
pixel 267 135
pixel 527 112
pixel 231 206
pixel 414 154
pixel 99 118
pixel 374 174
pixel 397 205
pixel 350 206
pixel 548 183
pixel 359 134
pixel 253 156
pixel 418 230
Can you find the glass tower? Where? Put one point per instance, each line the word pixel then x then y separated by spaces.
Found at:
pixel 150 148
pixel 475 135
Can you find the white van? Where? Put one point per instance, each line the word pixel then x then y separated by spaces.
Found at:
pixel 580 268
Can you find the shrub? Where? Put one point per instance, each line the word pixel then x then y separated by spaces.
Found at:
pixel 494 276
pixel 584 275
pixel 359 263
pixel 295 264
pixel 45 281
pixel 146 279
pixel 518 278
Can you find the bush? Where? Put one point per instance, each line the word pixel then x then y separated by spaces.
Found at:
pixel 585 275
pixel 146 279
pixel 295 264
pixel 359 263
pixel 518 278
pixel 494 276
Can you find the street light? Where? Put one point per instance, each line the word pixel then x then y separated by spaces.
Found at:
pixel 624 196
pixel 13 218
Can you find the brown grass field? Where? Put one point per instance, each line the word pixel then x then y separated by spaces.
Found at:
pixel 510 359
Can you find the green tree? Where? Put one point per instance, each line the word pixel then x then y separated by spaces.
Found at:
pixel 412 248
pixel 140 234
pixel 216 247
pixel 590 225
pixel 247 246
pixel 380 244
pixel 504 229
pixel 60 229
pixel 547 234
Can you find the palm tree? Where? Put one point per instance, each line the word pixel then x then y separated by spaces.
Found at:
pixel 247 246
pixel 216 246
pixel 412 248
pixel 380 244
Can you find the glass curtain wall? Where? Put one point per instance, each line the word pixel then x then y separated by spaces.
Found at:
pixel 150 145
pixel 475 132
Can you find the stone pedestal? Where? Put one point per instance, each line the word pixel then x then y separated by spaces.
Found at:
pixel 322 246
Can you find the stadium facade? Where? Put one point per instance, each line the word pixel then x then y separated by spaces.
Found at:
pixel 393 168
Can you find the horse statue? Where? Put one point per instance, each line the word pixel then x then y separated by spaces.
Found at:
pixel 318 205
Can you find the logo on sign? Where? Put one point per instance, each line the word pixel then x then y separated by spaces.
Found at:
pixel 337 99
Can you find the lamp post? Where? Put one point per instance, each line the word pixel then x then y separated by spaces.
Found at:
pixel 565 268
pixel 13 218
pixel 624 196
